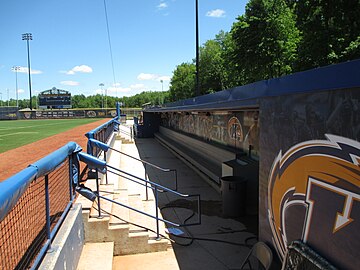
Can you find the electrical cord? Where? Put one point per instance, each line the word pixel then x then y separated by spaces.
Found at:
pixel 191 237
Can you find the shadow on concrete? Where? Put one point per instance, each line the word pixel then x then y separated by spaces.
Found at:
pixel 219 242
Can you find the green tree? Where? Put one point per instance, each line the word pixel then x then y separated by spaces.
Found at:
pixel 330 32
pixel 211 68
pixel 232 74
pixel 182 84
pixel 266 39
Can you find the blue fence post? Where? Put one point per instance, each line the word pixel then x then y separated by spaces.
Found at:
pixel 98 193
pixel 118 110
pixel 47 209
pixel 157 214
pixel 146 185
pixel 71 178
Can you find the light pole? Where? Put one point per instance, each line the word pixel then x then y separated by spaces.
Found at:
pixel 27 37
pixel 102 94
pixel 0 99
pixel 8 100
pixel 16 68
pixel 105 99
pixel 197 90
pixel 162 90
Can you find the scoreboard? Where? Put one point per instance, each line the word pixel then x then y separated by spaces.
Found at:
pixel 54 99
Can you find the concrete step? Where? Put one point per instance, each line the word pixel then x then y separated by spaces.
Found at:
pixel 96 256
pixel 158 260
pixel 127 238
pixel 107 192
pixel 124 140
pixel 120 211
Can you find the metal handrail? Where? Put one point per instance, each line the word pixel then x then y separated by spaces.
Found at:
pixel 155 187
pixel 152 165
pixel 129 133
pixel 148 181
pixel 101 165
pixel 105 147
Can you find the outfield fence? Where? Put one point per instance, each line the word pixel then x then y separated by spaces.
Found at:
pixel 13 113
pixel 101 133
pixel 9 113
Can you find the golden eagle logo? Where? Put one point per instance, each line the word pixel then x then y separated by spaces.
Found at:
pixel 314 196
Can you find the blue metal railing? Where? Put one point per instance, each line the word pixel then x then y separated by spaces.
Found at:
pixel 102 166
pixel 18 196
pixel 105 147
pixel 101 133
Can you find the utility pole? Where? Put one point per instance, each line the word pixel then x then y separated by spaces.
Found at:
pixel 197 90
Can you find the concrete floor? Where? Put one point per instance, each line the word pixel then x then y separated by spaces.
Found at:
pixel 221 243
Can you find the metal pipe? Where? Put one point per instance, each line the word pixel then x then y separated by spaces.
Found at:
pixel 47 244
pixel 144 213
pixel 157 215
pixel 47 206
pixel 146 188
pixel 132 180
pixel 197 47
pixel 106 175
pixel 71 179
pixel 150 182
pixel 141 160
pixel 98 192
pixel 176 179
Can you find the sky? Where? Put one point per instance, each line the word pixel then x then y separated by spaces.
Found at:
pixel 70 47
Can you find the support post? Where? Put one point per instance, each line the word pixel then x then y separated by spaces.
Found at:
pixel 157 214
pixel 47 209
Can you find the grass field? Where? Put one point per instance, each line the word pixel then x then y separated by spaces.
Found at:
pixel 16 133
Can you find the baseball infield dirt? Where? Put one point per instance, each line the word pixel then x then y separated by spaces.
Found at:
pixel 15 160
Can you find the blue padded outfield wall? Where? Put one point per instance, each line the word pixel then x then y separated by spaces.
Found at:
pixel 305 130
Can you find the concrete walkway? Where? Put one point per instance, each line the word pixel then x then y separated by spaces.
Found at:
pixel 220 243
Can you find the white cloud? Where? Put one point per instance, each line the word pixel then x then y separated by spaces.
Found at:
pixel 26 70
pixel 20 91
pixel 152 77
pixel 137 86
pixel 164 78
pixel 100 92
pixel 118 89
pixel 80 69
pixel 70 83
pixel 147 77
pixel 162 5
pixel 216 13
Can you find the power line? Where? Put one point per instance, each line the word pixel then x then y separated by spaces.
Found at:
pixel 108 33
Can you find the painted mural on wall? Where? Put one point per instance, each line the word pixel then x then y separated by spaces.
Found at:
pixel 238 129
pixel 310 174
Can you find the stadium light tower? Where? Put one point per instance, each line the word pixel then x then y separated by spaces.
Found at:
pixel 27 37
pixel 16 68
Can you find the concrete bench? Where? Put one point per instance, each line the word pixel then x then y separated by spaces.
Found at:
pixel 205 158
